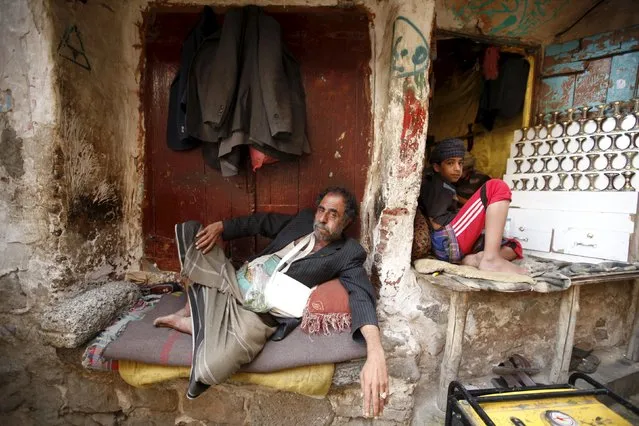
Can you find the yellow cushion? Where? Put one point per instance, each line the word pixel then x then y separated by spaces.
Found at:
pixel 311 380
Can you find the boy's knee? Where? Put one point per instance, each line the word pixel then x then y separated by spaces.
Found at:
pixel 499 188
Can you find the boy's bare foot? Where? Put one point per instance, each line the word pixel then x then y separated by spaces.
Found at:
pixel 499 264
pixel 473 259
pixel 177 322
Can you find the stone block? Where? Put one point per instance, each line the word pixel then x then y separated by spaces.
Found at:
pixel 347 373
pixel 360 421
pixel 404 368
pixel 145 417
pixel 11 295
pixel 14 256
pixel 347 402
pixel 17 418
pixel 86 396
pixel 12 386
pixel 155 399
pixel 215 404
pixel 105 419
pixel 287 408
pixel 75 321
pixel 76 419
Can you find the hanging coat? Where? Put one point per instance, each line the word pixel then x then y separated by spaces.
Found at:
pixel 249 92
pixel 177 136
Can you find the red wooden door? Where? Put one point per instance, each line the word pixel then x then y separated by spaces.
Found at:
pixel 333 49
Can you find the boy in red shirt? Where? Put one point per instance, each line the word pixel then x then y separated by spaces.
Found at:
pixel 472 235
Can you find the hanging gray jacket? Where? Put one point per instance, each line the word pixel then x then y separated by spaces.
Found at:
pixel 249 91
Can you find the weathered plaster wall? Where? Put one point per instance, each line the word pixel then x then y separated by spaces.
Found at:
pixel 30 269
pixel 609 15
pixel 590 71
pixel 99 128
pixel 530 20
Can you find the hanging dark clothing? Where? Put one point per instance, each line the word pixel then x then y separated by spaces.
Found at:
pixel 177 136
pixel 245 88
pixel 504 97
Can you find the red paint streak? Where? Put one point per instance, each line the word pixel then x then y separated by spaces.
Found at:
pixel 168 346
pixel 413 125
pixel 412 130
pixel 397 211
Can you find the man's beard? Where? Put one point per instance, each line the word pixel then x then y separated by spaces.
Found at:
pixel 331 236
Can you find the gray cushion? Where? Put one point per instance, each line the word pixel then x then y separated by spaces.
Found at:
pixel 143 342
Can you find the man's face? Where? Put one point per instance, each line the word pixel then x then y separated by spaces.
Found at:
pixel 450 169
pixel 330 219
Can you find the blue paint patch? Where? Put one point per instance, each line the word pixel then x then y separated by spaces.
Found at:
pixel 512 18
pixel 558 49
pixel 6 101
pixel 565 68
pixel 630 44
pixel 623 77
pixel 599 45
pixel 557 93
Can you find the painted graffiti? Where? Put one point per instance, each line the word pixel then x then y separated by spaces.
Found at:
pixel 409 50
pixel 513 18
pixel 72 48
pixel 413 123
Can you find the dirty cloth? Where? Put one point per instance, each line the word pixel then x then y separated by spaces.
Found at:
pixel 545 275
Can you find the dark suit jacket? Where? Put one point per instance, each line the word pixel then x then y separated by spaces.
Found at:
pixel 177 136
pixel 246 89
pixel 341 259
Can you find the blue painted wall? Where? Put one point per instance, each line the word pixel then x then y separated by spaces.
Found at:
pixel 602 68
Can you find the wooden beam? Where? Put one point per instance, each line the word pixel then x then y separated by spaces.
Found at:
pixel 454 340
pixel 565 335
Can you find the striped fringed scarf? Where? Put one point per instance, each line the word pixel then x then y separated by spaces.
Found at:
pixel 325 323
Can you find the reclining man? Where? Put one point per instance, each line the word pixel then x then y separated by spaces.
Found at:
pixel 322 252
pixel 472 235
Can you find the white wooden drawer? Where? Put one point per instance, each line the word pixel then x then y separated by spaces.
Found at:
pixel 532 239
pixel 592 243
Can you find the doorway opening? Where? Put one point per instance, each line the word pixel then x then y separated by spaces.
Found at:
pixel 482 93
pixel 333 49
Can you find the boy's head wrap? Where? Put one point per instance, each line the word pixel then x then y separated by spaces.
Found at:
pixel 448 148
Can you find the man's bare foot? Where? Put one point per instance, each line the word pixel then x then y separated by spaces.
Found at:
pixel 184 312
pixel 177 322
pixel 473 259
pixel 498 264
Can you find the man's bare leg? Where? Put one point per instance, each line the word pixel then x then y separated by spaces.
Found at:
pixel 492 259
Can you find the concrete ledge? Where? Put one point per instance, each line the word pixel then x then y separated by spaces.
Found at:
pixel 73 322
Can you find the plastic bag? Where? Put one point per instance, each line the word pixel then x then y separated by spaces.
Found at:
pixel 254 299
pixel 252 279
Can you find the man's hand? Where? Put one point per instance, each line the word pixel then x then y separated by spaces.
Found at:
pixel 373 377
pixel 208 236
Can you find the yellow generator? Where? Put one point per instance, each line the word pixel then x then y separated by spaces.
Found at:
pixel 547 405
